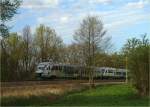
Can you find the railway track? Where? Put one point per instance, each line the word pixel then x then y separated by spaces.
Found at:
pixel 55 82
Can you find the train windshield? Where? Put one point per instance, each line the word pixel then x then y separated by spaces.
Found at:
pixel 41 66
pixel 102 70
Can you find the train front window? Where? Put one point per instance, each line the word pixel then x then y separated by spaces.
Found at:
pixel 41 68
pixel 103 70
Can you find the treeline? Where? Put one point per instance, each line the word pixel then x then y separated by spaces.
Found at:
pixel 20 53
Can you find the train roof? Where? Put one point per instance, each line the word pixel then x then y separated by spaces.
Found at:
pixel 62 64
pixel 44 63
pixel 66 65
pixel 107 68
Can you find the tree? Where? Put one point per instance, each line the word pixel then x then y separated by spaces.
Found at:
pixel 91 35
pixel 137 51
pixel 8 8
pixel 28 58
pixel 22 52
pixel 73 54
pixel 10 66
pixel 48 43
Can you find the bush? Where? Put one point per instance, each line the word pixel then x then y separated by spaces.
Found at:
pixel 138 63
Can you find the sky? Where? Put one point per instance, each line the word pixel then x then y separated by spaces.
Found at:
pixel 122 19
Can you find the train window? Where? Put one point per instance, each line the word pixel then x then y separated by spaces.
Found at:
pixel 49 67
pixel 124 73
pixel 59 67
pixel 118 73
pixel 41 68
pixel 55 68
pixel 110 71
pixel 103 70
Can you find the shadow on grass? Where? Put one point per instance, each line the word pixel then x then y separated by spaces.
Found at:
pixel 28 101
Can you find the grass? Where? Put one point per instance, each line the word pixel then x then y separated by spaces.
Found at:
pixel 29 101
pixel 36 95
pixel 109 95
pixel 106 95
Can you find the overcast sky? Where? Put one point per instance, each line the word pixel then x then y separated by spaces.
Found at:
pixel 122 18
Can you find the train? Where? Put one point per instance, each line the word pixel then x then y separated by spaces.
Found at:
pixel 55 70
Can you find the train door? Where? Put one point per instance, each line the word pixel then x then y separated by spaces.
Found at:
pixel 45 71
pixel 109 73
pixel 48 70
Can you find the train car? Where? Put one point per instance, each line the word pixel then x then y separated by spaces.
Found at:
pixel 120 73
pixel 42 69
pixel 113 73
pixel 107 72
pixel 51 70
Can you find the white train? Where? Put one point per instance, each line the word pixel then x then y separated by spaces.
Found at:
pixel 51 70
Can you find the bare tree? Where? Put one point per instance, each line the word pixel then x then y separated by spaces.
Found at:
pixel 91 35
pixel 73 54
pixel 27 48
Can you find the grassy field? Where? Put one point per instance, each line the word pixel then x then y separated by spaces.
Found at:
pixel 26 95
pixel 104 95
pixel 116 95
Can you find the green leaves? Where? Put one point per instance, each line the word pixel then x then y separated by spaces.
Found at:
pixel 137 51
pixel 8 8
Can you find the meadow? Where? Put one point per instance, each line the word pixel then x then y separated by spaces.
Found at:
pixel 106 95
pixel 103 95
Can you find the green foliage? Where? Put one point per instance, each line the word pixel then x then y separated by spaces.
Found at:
pixel 10 56
pixel 137 52
pixel 10 46
pixel 8 8
pixel 4 31
pixel 115 60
